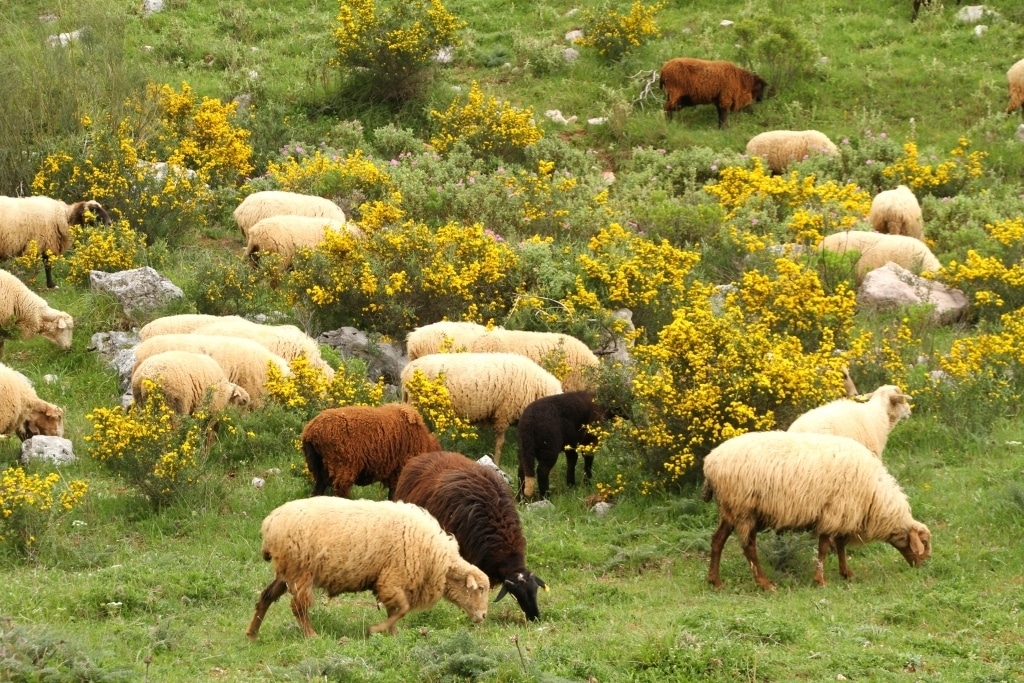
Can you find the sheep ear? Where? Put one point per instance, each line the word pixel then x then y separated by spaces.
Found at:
pixel 471 583
pixel 915 542
pixel 540 582
pixel 62 323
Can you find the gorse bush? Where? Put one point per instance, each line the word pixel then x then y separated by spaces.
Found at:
pixel 350 180
pixel 29 503
pixel 488 126
pixel 107 248
pixel 942 179
pixel 433 402
pixel 307 391
pixel 994 283
pixel 614 34
pixel 388 50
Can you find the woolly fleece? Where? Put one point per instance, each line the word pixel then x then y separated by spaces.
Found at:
pixel 867 423
pixel 260 205
pixel 781 147
pixel 876 249
pixel 897 212
pixel 32 314
pixel 688 82
pixel 285 235
pixel 183 323
pixel 185 377
pixel 428 339
pixel 22 412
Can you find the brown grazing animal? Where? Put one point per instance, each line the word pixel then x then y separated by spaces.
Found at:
pixel 474 503
pixel 360 445
pixel 688 82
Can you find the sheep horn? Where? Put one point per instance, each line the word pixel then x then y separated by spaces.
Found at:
pixel 505 585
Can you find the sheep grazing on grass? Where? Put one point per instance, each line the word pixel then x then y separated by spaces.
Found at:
pixel 45 221
pixel 396 550
pixel 188 380
pixel 896 212
pixel 688 82
pixel 493 388
pixel 867 423
pixel 22 412
pixel 31 315
pixel 877 249
pixel 779 148
pixel 473 503
pixel 541 347
pixel 358 445
pixel 445 335
pixel 183 323
pixel 285 235
pixel 1015 78
pixel 286 341
pixel 260 205
pixel 549 426
pixel 828 484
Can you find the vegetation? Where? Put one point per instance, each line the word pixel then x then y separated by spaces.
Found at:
pixel 141 560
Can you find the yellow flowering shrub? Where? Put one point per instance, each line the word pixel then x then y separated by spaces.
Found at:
pixel 107 248
pixel 308 391
pixel 328 175
pixel 29 266
pixel 431 399
pixel 389 48
pixel 615 34
pixel 151 447
pixel 995 284
pixel 28 503
pixel 943 178
pixel 489 127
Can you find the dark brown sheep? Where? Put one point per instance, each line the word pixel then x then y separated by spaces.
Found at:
pixel 549 426
pixel 473 503
pixel 688 82
pixel 361 445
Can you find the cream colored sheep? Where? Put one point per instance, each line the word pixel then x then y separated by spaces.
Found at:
pixel 285 235
pixel 487 387
pixel 186 380
pixel 779 148
pixel 260 205
pixel 447 335
pixel 182 323
pixel 31 314
pixel 867 423
pixel 831 485
pixel 877 249
pixel 397 550
pixel 1015 78
pixel 896 212
pixel 286 341
pixel 22 412
pixel 244 361
pixel 45 221
pixel 541 347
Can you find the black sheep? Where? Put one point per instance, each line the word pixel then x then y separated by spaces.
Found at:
pixel 474 503
pixel 549 426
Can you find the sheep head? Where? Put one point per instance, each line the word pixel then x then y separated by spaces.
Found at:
pixel 39 417
pixel 78 212
pixel 57 326
pixel 893 401
pixel 523 587
pixel 914 543
pixel 238 396
pixel 467 587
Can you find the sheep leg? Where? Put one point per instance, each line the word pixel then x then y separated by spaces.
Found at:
pixel 718 540
pixel 748 537
pixel 543 472
pixel 571 458
pixel 588 468
pixel 723 113
pixel 824 543
pixel 269 596
pixel 302 599
pixel 49 275
pixel 397 604
pixel 499 440
pixel 844 570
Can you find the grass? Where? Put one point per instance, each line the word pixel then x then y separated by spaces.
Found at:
pixel 116 591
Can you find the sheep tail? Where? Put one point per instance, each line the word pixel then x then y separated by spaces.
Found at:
pixel 707 492
pixel 316 467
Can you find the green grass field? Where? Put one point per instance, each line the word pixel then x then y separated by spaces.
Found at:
pixel 117 591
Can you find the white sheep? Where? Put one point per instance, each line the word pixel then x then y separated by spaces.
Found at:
pixel 42 220
pixel 1015 78
pixel 781 147
pixel 449 335
pixel 31 314
pixel 877 249
pixel 244 361
pixel 897 212
pixel 260 205
pixel 22 412
pixel 540 347
pixel 397 550
pixel 866 423
pixel 828 484
pixel 182 323
pixel 285 235
pixel 286 341
pixel 487 387
pixel 187 380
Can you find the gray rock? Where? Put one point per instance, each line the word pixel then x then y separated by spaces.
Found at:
pixel 718 298
pixel 64 39
pixel 725 23
pixel 980 29
pixel 138 291
pixel 570 54
pixel 573 35
pixel 127 400
pixel 118 349
pixel 601 509
pixel 972 14
pixel 445 55
pixel 597 120
pixel 892 286
pixel 613 345
pixel 382 358
pixel 152 6
pixel 486 461
pixel 51 449
pixel 540 505
pixel 244 101
pixel 1020 133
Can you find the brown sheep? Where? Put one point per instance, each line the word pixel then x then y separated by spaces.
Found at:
pixel 474 503
pixel 688 82
pixel 360 445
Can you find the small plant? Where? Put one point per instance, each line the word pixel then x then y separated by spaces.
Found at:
pixel 489 127
pixel 431 399
pixel 614 35
pixel 942 179
pixel 29 502
pixel 774 48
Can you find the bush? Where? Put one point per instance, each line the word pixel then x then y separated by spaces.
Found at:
pixel 489 127
pixel 774 48
pixel 29 504
pixel 615 35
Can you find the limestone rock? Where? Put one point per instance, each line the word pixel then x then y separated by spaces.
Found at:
pixel 51 449
pixel 138 291
pixel 382 358
pixel 892 286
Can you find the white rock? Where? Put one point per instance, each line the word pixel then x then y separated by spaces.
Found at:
pixel 151 6
pixel 445 55
pixel 972 14
pixel 980 29
pixel 573 36
pixel 273 471
pixel 726 22
pixel 608 177
pixel 254 74
pixel 571 12
pixel 258 482
pixel 146 48
pixel 64 39
pixel 892 287
pixel 597 120
pixel 570 54
pixel 556 116
pixel 51 449
pixel 486 461
pixel 1020 132
pixel 49 379
pixel 540 505
pixel 601 509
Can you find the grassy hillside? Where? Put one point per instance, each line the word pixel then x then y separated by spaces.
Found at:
pixel 117 588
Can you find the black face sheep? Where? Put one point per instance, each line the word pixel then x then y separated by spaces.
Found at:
pixel 867 423
pixel 396 550
pixel 360 445
pixel 830 485
pixel 473 503
pixel 1015 77
pixel 549 426
pixel 43 220
pixel 688 82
